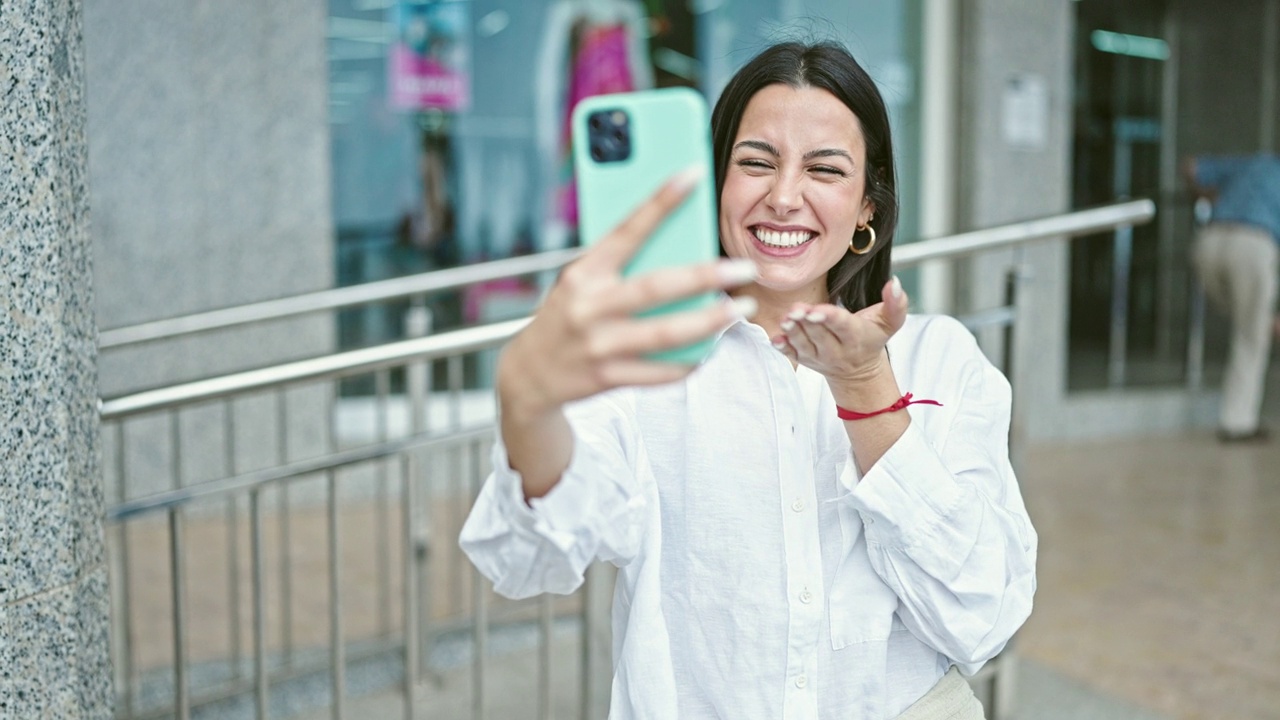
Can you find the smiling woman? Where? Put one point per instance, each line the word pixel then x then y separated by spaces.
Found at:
pixel 831 90
pixel 792 195
pixel 793 542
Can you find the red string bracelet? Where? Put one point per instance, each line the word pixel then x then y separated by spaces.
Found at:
pixel 902 402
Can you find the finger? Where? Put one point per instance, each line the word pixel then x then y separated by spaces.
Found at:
pixel 616 248
pixel 839 322
pixel 818 322
pixel 781 344
pixel 799 339
pixel 896 301
pixel 665 286
pixel 890 313
pixel 632 338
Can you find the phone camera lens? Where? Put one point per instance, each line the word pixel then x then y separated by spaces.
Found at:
pixel 596 153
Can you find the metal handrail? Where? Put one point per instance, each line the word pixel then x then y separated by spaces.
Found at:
pixel 177 497
pixel 1081 222
pixel 394 354
pixel 335 299
pixel 1075 223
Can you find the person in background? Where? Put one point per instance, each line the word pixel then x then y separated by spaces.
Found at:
pixel 793 540
pixel 1237 258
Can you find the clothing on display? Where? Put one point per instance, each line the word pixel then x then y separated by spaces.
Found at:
pixel 589 48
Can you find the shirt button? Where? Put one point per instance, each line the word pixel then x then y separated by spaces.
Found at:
pixel 798 506
pixel 802 682
pixel 806 597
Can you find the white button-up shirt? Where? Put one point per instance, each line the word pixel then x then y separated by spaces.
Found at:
pixel 761 575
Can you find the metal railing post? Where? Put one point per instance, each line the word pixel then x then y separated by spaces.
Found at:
pixel 1121 270
pixel 233 542
pixel 461 483
pixel 127 640
pixel 408 467
pixel 337 648
pixel 587 593
pixel 417 323
pixel 1017 291
pixel 1195 337
pixel 259 606
pixel 546 618
pixel 480 636
pixel 382 505
pixel 286 533
pixel 181 694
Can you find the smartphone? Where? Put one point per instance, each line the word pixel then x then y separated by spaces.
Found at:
pixel 624 147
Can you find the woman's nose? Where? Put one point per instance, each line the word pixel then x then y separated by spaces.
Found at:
pixel 786 196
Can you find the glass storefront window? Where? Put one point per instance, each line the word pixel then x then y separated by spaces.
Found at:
pixel 421 188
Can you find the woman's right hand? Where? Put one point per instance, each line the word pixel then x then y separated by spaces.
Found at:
pixel 584 338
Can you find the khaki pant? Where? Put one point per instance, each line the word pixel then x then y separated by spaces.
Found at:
pixel 1239 266
pixel 950 699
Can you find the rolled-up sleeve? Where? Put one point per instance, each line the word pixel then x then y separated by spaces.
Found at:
pixel 596 510
pixel 946 526
pixel 1212 170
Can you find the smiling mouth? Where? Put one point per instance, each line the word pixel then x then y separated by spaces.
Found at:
pixel 774 238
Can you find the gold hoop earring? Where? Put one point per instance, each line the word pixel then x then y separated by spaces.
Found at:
pixel 863 251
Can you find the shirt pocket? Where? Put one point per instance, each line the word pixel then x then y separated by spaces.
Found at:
pixel 861 604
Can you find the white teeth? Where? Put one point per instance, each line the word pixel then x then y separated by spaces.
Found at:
pixel 782 239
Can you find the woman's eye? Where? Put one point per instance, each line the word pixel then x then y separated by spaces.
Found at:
pixel 828 170
pixel 753 163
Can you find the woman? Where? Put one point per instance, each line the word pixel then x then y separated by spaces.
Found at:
pixel 776 559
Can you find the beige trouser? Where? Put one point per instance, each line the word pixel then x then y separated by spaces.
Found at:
pixel 1239 266
pixel 950 699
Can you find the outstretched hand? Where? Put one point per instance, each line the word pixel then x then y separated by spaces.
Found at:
pixel 585 338
pixel 845 347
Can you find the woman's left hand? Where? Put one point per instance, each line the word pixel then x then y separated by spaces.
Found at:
pixel 846 348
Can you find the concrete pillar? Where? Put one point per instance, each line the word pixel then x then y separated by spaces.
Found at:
pixel 53 578
pixel 1015 150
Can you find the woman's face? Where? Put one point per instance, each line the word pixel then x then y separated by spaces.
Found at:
pixel 793 189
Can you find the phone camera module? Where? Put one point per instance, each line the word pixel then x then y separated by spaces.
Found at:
pixel 609 134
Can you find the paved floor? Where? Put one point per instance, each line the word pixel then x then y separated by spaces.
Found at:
pixel 1158 578
pixel 1158 573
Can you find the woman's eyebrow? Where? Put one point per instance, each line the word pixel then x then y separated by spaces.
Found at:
pixel 763 146
pixel 758 145
pixel 828 152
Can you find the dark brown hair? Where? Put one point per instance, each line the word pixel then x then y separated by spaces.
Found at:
pixel 856 280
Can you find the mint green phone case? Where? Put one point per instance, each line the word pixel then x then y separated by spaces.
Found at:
pixel 670 131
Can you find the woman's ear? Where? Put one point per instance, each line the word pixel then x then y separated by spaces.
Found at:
pixel 868 212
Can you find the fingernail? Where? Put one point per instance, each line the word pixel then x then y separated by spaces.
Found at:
pixel 796 314
pixel 736 271
pixel 687 178
pixel 815 317
pixel 787 325
pixel 779 345
pixel 896 288
pixel 744 306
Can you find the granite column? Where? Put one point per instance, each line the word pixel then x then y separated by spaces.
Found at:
pixel 54 654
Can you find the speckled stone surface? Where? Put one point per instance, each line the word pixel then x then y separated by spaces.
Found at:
pixel 53 654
